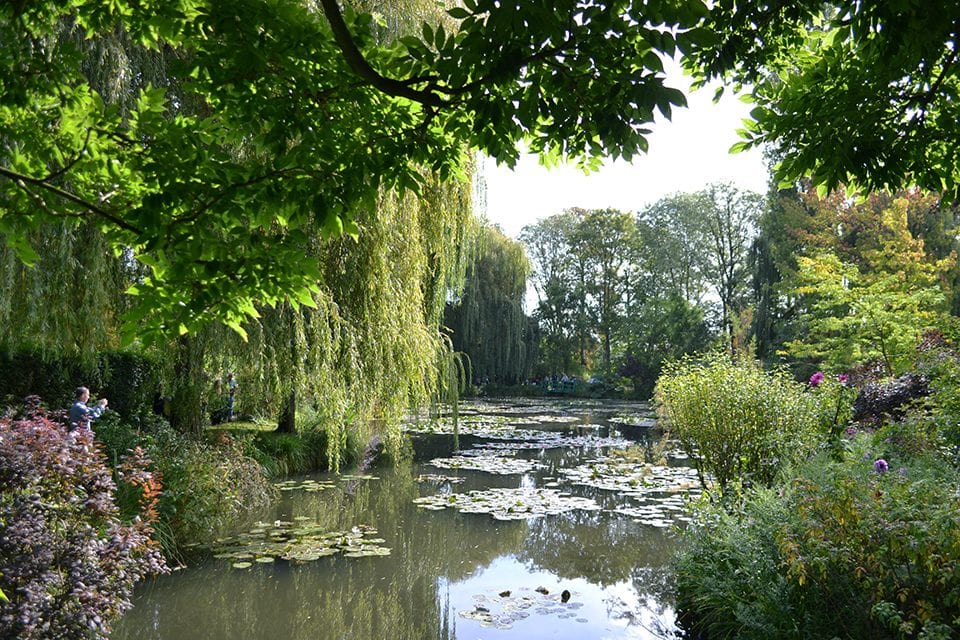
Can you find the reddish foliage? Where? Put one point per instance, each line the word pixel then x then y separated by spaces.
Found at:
pixel 68 561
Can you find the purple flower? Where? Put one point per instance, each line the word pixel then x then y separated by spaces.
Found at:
pixel 851 431
pixel 881 466
pixel 843 379
pixel 816 379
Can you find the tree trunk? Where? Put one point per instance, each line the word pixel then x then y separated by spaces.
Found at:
pixel 288 414
pixel 187 408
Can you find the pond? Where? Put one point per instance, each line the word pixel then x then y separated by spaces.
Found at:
pixel 532 527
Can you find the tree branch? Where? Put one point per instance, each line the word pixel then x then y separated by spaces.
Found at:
pixel 62 170
pixel 195 214
pixel 20 179
pixel 360 66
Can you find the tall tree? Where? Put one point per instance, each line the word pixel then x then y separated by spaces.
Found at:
pixel 212 199
pixel 556 283
pixel 487 321
pixel 876 307
pixel 604 237
pixel 672 247
pixel 730 222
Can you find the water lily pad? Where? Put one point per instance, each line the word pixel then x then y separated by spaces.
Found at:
pixel 304 541
pixel 660 492
pixel 511 504
pixel 440 479
pixel 241 565
pixel 488 463
pixel 311 486
pixel 506 609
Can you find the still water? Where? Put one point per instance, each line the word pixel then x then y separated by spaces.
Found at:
pixel 582 573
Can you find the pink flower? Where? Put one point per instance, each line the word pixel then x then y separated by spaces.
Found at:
pixel 816 379
pixel 843 379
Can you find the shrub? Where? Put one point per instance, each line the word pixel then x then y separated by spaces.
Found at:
pixel 68 560
pixel 865 548
pixel 208 482
pixel 737 421
pixel 208 479
pixel 729 582
pixel 886 540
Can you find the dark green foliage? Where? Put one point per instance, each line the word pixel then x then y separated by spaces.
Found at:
pixel 846 91
pixel 663 330
pixel 728 576
pixel 487 321
pixel 209 478
pixel 863 548
pixel 129 380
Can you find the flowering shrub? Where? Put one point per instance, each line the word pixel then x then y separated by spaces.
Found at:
pixel 68 560
pixel 737 421
pixel 849 549
pixel 835 398
pixel 883 543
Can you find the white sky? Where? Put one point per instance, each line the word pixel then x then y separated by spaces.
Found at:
pixel 685 155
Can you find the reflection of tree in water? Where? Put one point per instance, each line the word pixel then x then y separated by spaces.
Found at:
pixel 604 549
pixel 406 595
pixel 397 596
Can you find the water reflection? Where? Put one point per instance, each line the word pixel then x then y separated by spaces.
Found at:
pixel 443 565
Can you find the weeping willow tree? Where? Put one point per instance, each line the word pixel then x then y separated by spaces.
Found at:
pixel 487 321
pixel 367 347
pixel 67 303
pixel 363 347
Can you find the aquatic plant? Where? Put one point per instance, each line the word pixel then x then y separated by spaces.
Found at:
pixel 302 541
pixel 509 504
pixel 488 463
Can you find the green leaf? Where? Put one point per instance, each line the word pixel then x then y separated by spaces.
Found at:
pixel 238 328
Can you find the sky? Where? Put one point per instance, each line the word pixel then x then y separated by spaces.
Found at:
pixel 685 155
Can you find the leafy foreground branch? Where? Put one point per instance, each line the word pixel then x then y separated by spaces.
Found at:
pixel 231 136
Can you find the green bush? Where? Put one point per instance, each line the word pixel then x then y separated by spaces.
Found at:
pixel 729 581
pixel 128 380
pixel 737 421
pixel 207 480
pixel 865 548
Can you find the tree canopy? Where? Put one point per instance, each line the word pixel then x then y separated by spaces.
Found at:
pixel 848 92
pixel 275 117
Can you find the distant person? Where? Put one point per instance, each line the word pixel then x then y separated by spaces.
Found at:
pixel 231 393
pixel 80 414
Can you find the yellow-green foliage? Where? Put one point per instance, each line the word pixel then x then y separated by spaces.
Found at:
pixel 66 303
pixel 371 346
pixel 739 422
pixel 877 310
